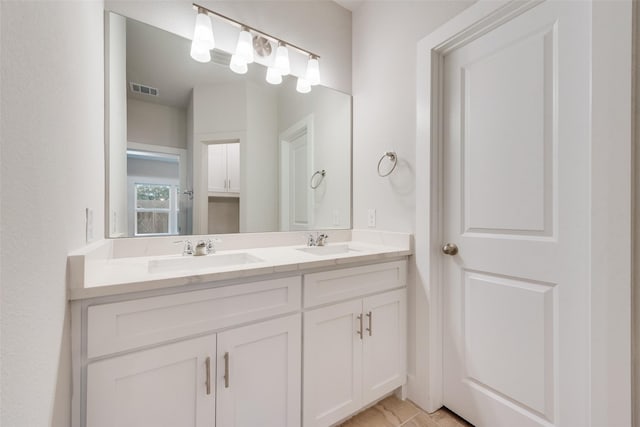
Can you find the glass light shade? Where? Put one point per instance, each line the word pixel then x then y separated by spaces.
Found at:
pixel 282 60
pixel 303 85
pixel 244 48
pixel 199 52
pixel 273 76
pixel 238 65
pixel 203 33
pixel 313 71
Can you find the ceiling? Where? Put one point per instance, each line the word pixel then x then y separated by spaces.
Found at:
pixel 350 4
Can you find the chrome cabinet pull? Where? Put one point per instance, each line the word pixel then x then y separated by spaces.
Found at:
pixel 360 330
pixel 226 370
pixel 370 328
pixel 207 364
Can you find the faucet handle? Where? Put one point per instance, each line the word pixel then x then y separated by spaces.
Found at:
pixel 211 244
pixel 311 241
pixel 322 239
pixel 188 248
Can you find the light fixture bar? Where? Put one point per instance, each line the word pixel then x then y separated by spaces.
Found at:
pixel 262 33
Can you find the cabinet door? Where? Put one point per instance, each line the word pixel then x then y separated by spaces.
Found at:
pixel 259 375
pixel 217 181
pixel 332 363
pixel 162 387
pixel 384 345
pixel 233 167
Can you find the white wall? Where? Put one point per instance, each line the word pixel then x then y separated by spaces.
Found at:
pixel 385 34
pixel 149 123
pixel 331 147
pixel 52 156
pixel 322 27
pixel 259 161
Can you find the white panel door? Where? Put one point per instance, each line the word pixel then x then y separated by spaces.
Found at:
pixel 163 387
pixel 233 167
pixel 217 167
pixel 332 363
pixel 300 204
pixel 259 374
pixel 516 204
pixel 384 365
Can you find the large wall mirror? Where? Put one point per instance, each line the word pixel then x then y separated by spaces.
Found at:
pixel 194 148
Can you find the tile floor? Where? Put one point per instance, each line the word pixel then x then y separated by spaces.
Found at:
pixel 393 412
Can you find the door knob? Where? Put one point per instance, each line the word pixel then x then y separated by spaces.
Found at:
pixel 450 249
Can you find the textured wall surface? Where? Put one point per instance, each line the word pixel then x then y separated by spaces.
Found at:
pixel 52 169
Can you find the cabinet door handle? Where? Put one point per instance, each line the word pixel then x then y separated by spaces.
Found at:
pixel 370 328
pixel 207 364
pixel 226 370
pixel 360 320
pixel 229 184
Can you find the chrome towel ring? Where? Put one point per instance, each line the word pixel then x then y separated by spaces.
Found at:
pixel 322 173
pixel 393 158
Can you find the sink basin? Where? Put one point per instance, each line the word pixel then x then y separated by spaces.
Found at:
pixel 187 263
pixel 328 250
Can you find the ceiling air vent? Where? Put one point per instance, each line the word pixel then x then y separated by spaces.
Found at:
pixel 145 90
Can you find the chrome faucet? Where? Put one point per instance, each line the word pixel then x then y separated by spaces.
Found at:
pixel 318 240
pixel 201 248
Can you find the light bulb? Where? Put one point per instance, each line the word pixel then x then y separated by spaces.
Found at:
pixel 273 76
pixel 313 71
pixel 303 85
pixel 203 33
pixel 199 52
pixel 282 59
pixel 244 48
pixel 238 65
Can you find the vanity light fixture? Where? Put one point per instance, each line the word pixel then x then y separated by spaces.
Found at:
pixel 282 59
pixel 303 85
pixel 244 49
pixel 238 65
pixel 313 71
pixel 273 76
pixel 203 42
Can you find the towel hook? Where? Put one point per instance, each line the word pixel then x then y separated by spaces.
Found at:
pixel 322 173
pixel 394 159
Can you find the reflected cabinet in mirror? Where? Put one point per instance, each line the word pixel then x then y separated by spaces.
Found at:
pixel 194 148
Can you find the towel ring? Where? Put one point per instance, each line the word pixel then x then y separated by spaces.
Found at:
pixel 393 157
pixel 322 173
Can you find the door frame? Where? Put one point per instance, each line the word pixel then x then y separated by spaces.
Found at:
pixel 610 270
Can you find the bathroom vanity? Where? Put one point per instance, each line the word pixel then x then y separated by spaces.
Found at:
pixel 274 336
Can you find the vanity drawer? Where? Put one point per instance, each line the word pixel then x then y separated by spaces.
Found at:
pixel 337 285
pixel 131 324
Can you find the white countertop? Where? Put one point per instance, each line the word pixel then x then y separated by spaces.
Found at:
pixel 102 275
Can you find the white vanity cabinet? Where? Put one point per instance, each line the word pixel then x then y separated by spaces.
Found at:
pixel 228 356
pixel 224 168
pixel 310 349
pixel 354 351
pixel 252 379
pixel 258 375
pixel 166 386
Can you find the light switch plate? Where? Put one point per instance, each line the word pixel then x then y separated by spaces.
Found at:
pixel 371 218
